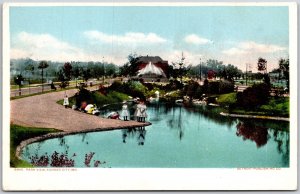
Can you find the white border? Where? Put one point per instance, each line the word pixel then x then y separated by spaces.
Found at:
pixel 153 179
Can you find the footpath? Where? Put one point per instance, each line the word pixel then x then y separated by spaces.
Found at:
pixel 43 111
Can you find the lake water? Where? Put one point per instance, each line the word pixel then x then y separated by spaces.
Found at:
pixel 179 137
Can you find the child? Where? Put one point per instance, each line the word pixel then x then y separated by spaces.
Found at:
pixel 143 109
pixel 138 112
pixel 66 101
pixel 125 112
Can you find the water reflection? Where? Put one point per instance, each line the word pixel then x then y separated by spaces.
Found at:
pixel 249 130
pixel 139 133
pixel 283 145
pixel 176 122
pixel 180 136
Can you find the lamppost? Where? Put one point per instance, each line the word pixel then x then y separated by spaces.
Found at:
pixel 103 70
pixel 247 66
pixel 200 72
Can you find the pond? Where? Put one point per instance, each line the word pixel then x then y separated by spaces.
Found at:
pixel 179 137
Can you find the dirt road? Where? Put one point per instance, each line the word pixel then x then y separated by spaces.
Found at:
pixel 43 111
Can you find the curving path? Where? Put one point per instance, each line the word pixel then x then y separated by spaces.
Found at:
pixel 43 111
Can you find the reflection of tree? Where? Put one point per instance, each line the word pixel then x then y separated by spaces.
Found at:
pixel 282 139
pixel 62 143
pixel 261 135
pixel 176 122
pixel 255 133
pixel 84 138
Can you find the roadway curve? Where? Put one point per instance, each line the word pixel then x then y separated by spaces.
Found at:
pixel 43 111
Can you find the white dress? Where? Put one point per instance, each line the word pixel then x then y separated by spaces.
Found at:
pixel 138 110
pixel 143 109
pixel 66 101
pixel 124 112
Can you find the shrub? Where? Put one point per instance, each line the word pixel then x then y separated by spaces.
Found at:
pixel 117 86
pixel 99 98
pixel 173 85
pixel 191 89
pixel 254 96
pixel 83 95
pixel 227 99
pixel 226 87
pixel 213 87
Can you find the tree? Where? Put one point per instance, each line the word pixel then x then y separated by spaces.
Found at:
pixel 284 66
pixel 86 74
pixel 43 65
pixel 29 69
pixel 61 77
pixel 64 75
pixel 181 69
pixel 216 66
pixel 262 64
pixel 67 70
pixel 76 74
pixel 254 96
pixel 19 81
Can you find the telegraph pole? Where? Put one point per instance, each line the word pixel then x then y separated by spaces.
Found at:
pixel 246 74
pixel 200 70
pixel 103 70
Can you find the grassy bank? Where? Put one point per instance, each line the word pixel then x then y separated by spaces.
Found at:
pixel 274 107
pixel 98 98
pixel 19 134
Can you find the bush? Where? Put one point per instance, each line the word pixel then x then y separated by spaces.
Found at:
pixel 173 85
pixel 227 99
pixel 213 87
pixel 98 98
pixel 191 89
pixel 276 106
pixel 254 96
pixel 116 85
pixel 226 87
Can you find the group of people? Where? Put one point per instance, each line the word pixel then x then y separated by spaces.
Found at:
pixel 140 113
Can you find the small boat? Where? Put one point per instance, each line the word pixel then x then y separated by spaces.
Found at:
pixel 113 115
pixel 199 102
pixel 212 104
pixel 180 101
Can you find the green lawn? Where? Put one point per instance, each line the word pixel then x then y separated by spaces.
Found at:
pixel 274 107
pixel 100 99
pixel 19 134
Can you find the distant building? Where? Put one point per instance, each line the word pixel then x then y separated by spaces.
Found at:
pixel 152 68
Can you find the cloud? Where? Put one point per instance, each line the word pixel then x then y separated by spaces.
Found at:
pixel 194 39
pixel 116 48
pixel 250 47
pixel 44 47
pixel 127 38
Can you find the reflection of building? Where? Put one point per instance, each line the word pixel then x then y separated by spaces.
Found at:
pixel 152 68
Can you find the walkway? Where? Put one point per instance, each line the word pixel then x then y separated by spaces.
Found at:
pixel 43 111
pixel 256 117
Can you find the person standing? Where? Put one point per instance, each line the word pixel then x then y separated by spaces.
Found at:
pixel 66 101
pixel 143 110
pixel 138 112
pixel 125 112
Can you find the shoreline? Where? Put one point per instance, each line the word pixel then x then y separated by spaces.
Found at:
pixel 42 111
pixel 255 117
pixel 26 142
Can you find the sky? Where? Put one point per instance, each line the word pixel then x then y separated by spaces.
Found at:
pixel 234 35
